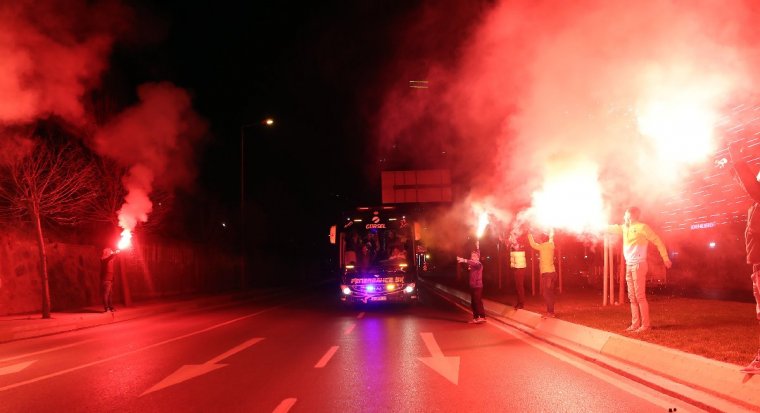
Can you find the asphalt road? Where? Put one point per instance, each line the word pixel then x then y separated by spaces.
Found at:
pixel 304 352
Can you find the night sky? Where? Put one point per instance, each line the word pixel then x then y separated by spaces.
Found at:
pixel 321 70
pixel 592 106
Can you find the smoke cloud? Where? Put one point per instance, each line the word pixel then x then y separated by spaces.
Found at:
pixel 624 96
pixel 155 138
pixel 52 53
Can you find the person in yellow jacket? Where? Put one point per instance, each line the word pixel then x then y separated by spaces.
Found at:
pixel 636 238
pixel 548 273
pixel 518 265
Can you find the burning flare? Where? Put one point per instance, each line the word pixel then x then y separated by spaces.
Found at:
pixel 482 223
pixel 126 240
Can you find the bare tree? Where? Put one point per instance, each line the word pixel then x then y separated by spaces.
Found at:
pixel 54 183
pixel 112 194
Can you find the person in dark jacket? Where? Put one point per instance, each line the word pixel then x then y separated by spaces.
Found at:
pixel 749 181
pixel 106 276
pixel 476 286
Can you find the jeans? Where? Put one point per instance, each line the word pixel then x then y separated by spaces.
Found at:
pixel 476 302
pixel 520 284
pixel 636 279
pixel 548 284
pixel 107 290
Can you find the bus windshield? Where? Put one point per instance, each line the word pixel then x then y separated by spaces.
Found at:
pixel 367 246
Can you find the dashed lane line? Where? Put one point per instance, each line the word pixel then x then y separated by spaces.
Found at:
pixel 285 405
pixel 326 358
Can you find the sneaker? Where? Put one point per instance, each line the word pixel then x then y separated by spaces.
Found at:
pixel 549 315
pixel 480 320
pixel 519 306
pixel 754 366
pixel 642 329
pixel 474 321
pixel 632 328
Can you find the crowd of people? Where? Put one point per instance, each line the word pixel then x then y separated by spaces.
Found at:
pixel 636 237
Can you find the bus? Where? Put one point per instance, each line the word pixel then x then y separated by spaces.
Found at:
pixel 379 254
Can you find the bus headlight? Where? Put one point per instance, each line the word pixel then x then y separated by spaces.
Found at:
pixel 345 289
pixel 409 288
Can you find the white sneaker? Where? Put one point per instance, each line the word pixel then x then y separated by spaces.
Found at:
pixel 754 366
pixel 632 328
pixel 642 329
pixel 480 320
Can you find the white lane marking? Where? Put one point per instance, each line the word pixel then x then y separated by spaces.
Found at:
pixel 326 358
pixel 15 368
pixel 190 371
pixel 129 353
pixel 431 344
pixel 285 405
pixel 47 350
pixel 360 316
pixel 596 371
pixel 448 367
pixel 349 329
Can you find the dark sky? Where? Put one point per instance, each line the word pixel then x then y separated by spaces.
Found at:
pixel 320 69
pixel 308 67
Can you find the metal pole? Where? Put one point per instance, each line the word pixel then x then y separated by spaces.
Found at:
pixel 559 254
pixel 498 260
pixel 606 270
pixel 612 276
pixel 242 207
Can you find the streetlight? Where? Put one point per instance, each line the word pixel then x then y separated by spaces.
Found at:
pixel 267 122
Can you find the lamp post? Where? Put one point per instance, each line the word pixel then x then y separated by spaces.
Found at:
pixel 268 122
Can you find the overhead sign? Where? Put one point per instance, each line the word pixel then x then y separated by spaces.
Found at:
pixel 428 185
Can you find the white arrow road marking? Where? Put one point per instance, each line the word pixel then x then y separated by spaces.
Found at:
pixel 137 350
pixel 349 329
pixel 190 371
pixel 285 405
pixel 15 368
pixel 323 361
pixel 47 350
pixel 361 315
pixel 447 367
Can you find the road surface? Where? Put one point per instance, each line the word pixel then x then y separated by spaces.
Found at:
pixel 304 352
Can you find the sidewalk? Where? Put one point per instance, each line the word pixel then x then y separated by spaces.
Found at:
pixel 717 385
pixel 16 327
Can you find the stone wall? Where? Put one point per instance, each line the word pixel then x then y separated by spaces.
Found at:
pixel 143 272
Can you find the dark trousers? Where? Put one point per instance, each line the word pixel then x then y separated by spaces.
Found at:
pixel 107 292
pixel 520 284
pixel 476 302
pixel 548 284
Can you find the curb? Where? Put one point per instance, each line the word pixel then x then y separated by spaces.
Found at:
pixel 711 376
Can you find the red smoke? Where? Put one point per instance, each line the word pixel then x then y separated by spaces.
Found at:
pixel 542 90
pixel 52 53
pixel 155 138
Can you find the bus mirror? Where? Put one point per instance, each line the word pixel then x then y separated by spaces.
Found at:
pixel 417 231
pixel 332 234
